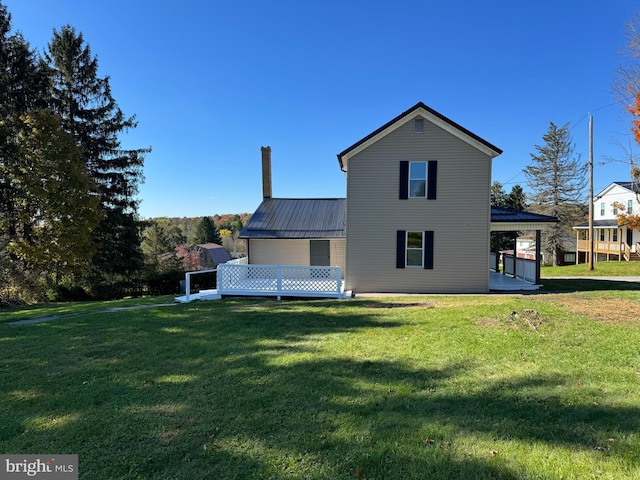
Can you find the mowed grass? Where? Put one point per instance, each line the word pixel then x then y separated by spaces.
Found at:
pixel 601 269
pixel 511 387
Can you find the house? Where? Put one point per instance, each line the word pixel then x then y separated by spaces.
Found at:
pixel 212 254
pixel 611 241
pixel 417 216
pixel 526 248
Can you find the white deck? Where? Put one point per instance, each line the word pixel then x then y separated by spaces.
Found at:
pixel 280 286
pixel 272 280
pixel 499 282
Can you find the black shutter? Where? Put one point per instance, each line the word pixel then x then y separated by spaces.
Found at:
pixel 432 179
pixel 428 250
pixel 400 248
pixel 404 180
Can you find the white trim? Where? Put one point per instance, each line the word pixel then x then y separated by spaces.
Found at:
pixel 426 179
pixel 437 121
pixel 407 248
pixel 515 227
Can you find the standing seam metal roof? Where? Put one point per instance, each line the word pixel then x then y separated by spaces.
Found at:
pixel 298 218
pixel 502 214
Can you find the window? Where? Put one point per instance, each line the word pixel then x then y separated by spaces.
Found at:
pixel 417 179
pixel 569 258
pixel 630 207
pixel 418 125
pixel 602 209
pixel 615 208
pixel 414 249
pixel 614 235
pixel 602 235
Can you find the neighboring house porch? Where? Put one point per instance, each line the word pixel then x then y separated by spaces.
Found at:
pixel 611 241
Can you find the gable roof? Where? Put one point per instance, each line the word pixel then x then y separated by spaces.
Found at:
pixel 297 218
pixel 631 186
pixel 419 109
pixel 216 252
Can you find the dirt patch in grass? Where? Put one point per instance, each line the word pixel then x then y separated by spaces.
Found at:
pixel 609 310
pixel 427 304
pixel 529 318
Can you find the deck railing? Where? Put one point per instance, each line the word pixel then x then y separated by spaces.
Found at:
pixel 522 268
pixel 279 280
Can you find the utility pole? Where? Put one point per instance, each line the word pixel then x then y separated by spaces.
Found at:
pixel 591 242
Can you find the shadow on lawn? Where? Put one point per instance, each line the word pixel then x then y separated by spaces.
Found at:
pixel 585 285
pixel 235 390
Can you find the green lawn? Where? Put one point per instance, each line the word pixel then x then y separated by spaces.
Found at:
pixel 513 387
pixel 603 269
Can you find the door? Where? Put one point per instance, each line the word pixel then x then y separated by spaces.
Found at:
pixel 320 253
pixel 630 238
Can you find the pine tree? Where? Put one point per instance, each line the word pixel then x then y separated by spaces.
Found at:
pixel 92 116
pixel 206 232
pixel 516 199
pixel 557 181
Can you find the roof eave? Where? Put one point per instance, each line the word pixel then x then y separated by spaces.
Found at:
pixel 420 109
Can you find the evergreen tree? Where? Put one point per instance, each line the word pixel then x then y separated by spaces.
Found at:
pixel 92 116
pixel 556 179
pixel 56 212
pixel 516 199
pixel 498 195
pixel 206 232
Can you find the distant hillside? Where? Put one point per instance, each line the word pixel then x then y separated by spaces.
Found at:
pixel 229 221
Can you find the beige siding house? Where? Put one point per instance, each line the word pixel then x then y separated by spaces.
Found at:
pixel 418 207
pixel 416 218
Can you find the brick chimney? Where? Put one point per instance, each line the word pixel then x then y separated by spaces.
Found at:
pixel 266 172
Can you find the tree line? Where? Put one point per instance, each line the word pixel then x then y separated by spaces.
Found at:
pixel 170 243
pixel 68 207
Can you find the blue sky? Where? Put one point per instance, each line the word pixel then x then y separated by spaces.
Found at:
pixel 210 82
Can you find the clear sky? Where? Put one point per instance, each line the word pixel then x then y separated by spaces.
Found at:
pixel 210 82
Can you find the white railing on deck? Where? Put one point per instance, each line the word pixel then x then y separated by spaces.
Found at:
pixel 187 287
pixel 279 280
pixel 493 261
pixel 522 268
pixel 239 261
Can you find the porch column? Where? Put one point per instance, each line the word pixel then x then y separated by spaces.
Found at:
pixel 577 247
pixel 497 252
pixel 538 251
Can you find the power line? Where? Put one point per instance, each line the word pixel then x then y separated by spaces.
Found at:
pixel 591 111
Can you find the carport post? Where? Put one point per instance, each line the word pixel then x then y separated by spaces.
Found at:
pixel 538 252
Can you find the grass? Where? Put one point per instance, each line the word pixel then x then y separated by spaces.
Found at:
pixel 512 387
pixel 601 269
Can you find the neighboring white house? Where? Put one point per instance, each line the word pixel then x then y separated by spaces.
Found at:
pixel 612 241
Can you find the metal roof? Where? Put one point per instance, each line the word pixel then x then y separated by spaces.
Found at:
pixel 600 224
pixel 507 215
pixel 633 186
pixel 298 218
pixel 216 252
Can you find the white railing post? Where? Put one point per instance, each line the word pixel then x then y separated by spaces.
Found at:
pixel 279 281
pixel 187 288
